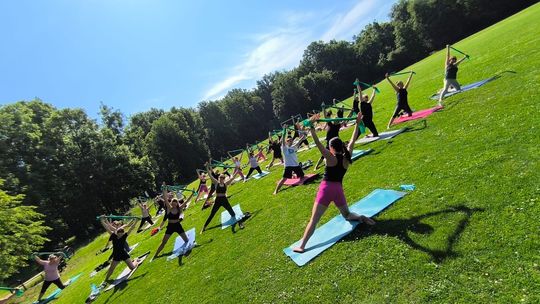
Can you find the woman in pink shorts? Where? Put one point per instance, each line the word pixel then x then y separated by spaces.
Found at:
pixel 202 184
pixel 338 159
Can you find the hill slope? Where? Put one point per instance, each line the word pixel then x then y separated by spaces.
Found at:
pixel 469 233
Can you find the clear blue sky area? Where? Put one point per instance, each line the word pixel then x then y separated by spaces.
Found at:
pixel 134 55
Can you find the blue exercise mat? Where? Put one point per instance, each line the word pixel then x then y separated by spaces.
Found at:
pixel 227 220
pixel 56 293
pixel 464 88
pixel 335 229
pixel 358 153
pixel 261 175
pixel 180 246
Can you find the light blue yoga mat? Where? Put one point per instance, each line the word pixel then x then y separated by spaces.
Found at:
pixel 358 153
pixel 464 88
pixel 335 229
pixel 226 219
pixel 259 175
pixel 179 245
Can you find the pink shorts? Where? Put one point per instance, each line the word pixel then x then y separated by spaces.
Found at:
pixel 203 188
pixel 331 192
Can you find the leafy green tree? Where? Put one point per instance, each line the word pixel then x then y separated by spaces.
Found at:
pixel 22 232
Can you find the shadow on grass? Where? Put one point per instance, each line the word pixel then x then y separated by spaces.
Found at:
pixel 120 289
pixel 400 228
pixel 234 226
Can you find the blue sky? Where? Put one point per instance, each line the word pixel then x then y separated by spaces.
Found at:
pixel 134 54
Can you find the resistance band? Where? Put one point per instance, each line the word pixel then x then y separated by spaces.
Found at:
pixel 49 253
pixel 367 85
pixel 460 52
pixel 18 291
pixel 119 217
pixel 402 73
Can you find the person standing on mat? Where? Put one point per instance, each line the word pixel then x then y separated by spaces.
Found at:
pixel 253 163
pixel 174 214
pixel 145 212
pixel 221 199
pixel 160 204
pixel 276 150
pixel 367 110
pixel 291 161
pixel 50 269
pixel 237 167
pixel 119 237
pixel 332 130
pixel 338 160
pixel 450 75
pixel 202 185
pixel 402 100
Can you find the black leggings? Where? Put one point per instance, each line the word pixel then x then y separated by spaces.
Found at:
pixel 220 201
pixel 402 107
pixel 253 169
pixel 46 285
pixel 371 126
pixel 161 207
pixel 146 219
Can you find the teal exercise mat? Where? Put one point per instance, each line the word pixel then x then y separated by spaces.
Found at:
pixel 227 220
pixel 180 246
pixel 328 234
pixel 356 154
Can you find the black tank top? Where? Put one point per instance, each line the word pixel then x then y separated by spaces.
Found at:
pixel 401 96
pixel 221 189
pixel 335 173
pixel 174 216
pixel 367 110
pixel 118 242
pixel 451 71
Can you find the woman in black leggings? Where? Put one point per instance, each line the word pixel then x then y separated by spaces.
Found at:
pixel 221 198
pixel 367 110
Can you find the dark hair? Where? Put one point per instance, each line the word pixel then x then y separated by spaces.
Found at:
pixel 121 230
pixel 339 146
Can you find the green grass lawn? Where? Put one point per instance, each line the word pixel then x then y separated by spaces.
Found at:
pixel 469 233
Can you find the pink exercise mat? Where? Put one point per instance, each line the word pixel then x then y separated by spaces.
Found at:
pixel 296 181
pixel 417 115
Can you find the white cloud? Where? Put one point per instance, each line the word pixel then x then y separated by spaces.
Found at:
pixel 351 23
pixel 282 48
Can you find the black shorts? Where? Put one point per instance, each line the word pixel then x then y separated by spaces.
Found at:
pixel 277 154
pixel 120 255
pixel 174 227
pixel 289 171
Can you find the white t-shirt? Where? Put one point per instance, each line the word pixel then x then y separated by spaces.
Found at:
pixel 289 156
pixel 253 162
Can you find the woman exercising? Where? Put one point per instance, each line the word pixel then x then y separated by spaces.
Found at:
pixel 50 268
pixel 367 110
pixel 119 237
pixel 450 75
pixel 332 130
pixel 145 212
pixel 402 100
pixel 174 215
pixel 338 159
pixel 237 168
pixel 221 199
pixel 253 163
pixel 275 146
pixel 291 161
pixel 202 184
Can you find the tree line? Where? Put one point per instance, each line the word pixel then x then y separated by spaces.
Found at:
pixel 72 168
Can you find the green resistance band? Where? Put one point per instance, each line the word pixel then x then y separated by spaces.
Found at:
pixel 402 73
pixel 367 85
pixel 18 291
pixel 460 52
pixel 118 217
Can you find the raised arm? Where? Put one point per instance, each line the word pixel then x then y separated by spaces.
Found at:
pixel 186 201
pixel 461 60
pixel 38 260
pixel 447 55
pixel 209 170
pixel 372 95
pixel 408 81
pixel 105 223
pixel 318 143
pixel 131 225
pixel 355 133
pixel 391 83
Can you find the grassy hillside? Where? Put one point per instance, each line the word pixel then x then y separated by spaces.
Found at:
pixel 469 233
